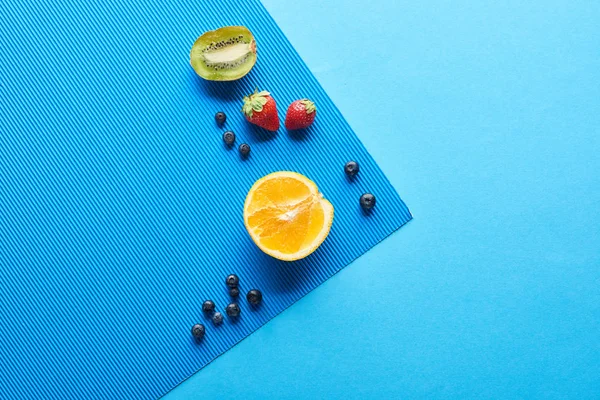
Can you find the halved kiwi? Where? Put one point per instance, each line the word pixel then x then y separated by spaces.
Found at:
pixel 225 54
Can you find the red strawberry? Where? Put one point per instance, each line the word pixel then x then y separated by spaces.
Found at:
pixel 260 109
pixel 300 114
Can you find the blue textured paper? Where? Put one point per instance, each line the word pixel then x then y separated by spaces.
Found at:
pixel 120 207
pixel 494 291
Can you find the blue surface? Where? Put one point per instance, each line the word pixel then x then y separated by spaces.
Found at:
pixel 486 117
pixel 121 208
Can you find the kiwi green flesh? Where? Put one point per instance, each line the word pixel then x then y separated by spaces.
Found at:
pixel 224 54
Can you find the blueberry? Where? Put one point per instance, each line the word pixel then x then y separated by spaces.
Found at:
pixel 254 297
pixel 244 149
pixel 208 306
pixel 220 117
pixel 233 310
pixel 234 292
pixel 217 318
pixel 367 201
pixel 229 138
pixel 198 331
pixel 351 168
pixel 232 280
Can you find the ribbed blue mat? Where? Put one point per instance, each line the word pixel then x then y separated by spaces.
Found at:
pixel 120 208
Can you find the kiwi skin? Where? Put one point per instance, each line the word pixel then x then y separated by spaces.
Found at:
pixel 220 39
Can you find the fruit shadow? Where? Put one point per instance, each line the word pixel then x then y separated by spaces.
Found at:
pixel 285 276
pixel 224 91
pixel 300 135
pixel 196 341
pixel 368 213
pixel 352 179
pixel 260 134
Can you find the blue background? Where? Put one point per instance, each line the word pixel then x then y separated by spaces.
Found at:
pixel 486 118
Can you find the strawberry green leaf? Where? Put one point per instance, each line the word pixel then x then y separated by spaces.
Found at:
pixel 255 102
pixel 247 107
pixel 309 105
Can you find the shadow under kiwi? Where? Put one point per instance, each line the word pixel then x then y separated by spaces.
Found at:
pixel 224 91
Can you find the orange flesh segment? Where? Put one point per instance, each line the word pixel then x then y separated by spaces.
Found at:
pixel 286 216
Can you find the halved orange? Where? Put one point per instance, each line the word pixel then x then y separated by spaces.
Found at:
pixel 286 216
